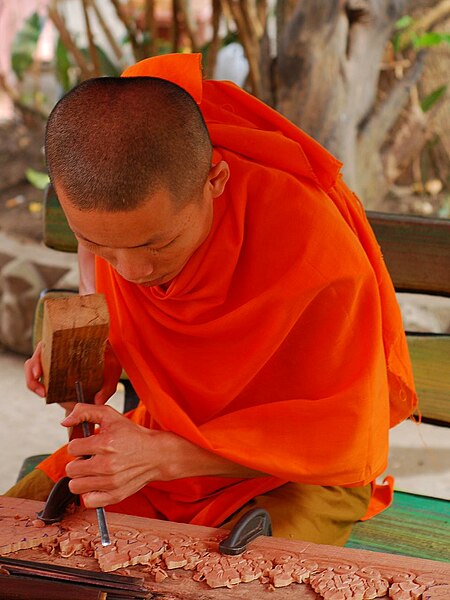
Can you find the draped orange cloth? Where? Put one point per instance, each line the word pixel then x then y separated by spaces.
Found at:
pixel 280 345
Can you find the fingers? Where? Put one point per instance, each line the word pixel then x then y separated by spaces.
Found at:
pixel 97 492
pixel 111 376
pixel 33 372
pixel 100 499
pixel 80 467
pixel 108 390
pixel 92 413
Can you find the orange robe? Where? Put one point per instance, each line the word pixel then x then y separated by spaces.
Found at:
pixel 280 345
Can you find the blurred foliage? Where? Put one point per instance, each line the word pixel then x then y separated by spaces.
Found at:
pixel 429 101
pixel 24 45
pixel 38 179
pixel 431 38
pixel 62 65
pixel 405 36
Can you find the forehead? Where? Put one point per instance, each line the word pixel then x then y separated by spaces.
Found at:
pixel 155 221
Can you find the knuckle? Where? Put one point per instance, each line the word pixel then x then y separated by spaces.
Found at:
pixel 115 481
pixel 109 468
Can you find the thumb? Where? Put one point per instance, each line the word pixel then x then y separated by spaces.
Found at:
pixel 103 395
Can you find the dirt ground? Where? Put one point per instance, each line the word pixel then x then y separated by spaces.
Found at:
pixel 20 202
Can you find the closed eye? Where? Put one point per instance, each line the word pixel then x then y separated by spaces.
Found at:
pixel 165 245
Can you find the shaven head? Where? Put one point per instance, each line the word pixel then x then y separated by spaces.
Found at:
pixel 112 142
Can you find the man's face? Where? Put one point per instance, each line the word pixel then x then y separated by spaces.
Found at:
pixel 148 245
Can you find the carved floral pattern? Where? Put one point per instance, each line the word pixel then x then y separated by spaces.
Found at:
pixel 331 580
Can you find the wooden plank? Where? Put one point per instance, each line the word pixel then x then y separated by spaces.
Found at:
pixel 416 251
pixel 180 584
pixel 75 330
pixel 430 357
pixel 81 581
pixel 57 233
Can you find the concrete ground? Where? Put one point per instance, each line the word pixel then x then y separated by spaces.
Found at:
pixel 419 456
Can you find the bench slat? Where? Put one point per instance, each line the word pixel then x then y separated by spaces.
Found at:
pixel 414 526
pixel 416 251
pixel 430 356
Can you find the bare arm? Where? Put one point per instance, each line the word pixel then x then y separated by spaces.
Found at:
pixel 126 456
pixel 86 266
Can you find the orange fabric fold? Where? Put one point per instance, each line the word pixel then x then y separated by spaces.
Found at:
pixel 280 345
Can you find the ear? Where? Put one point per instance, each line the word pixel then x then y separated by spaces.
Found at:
pixel 217 179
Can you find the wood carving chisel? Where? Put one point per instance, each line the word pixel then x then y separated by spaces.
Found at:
pixel 101 516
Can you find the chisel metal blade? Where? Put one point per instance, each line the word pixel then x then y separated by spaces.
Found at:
pixel 103 526
pixel 101 515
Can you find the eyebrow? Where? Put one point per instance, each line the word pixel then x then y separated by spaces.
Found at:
pixel 150 242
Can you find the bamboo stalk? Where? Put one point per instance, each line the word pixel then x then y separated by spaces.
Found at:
pixel 106 30
pixel 175 26
pixel 129 27
pixel 68 41
pixel 151 26
pixel 261 11
pixel 252 18
pixel 215 41
pixel 90 37
pixel 189 23
pixel 250 48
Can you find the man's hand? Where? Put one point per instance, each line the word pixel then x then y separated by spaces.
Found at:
pixel 33 372
pixel 111 375
pixel 125 456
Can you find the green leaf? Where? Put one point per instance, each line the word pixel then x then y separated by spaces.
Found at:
pixel 24 44
pixel 431 38
pixel 432 98
pixel 444 210
pixel 404 22
pixel 38 179
pixel 63 65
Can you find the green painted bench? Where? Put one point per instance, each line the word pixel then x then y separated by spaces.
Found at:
pixel 417 254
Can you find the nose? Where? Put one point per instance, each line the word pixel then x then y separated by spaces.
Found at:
pixel 133 267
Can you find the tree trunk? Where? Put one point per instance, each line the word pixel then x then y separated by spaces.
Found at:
pixel 328 65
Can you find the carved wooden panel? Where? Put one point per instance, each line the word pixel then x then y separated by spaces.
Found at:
pixel 182 561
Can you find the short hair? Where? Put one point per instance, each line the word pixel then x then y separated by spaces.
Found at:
pixel 112 142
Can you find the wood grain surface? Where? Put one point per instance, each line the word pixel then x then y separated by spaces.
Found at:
pixel 179 584
pixel 75 330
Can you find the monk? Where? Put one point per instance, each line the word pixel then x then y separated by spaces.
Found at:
pixel 250 307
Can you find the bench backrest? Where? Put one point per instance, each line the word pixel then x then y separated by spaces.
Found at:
pixel 417 254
